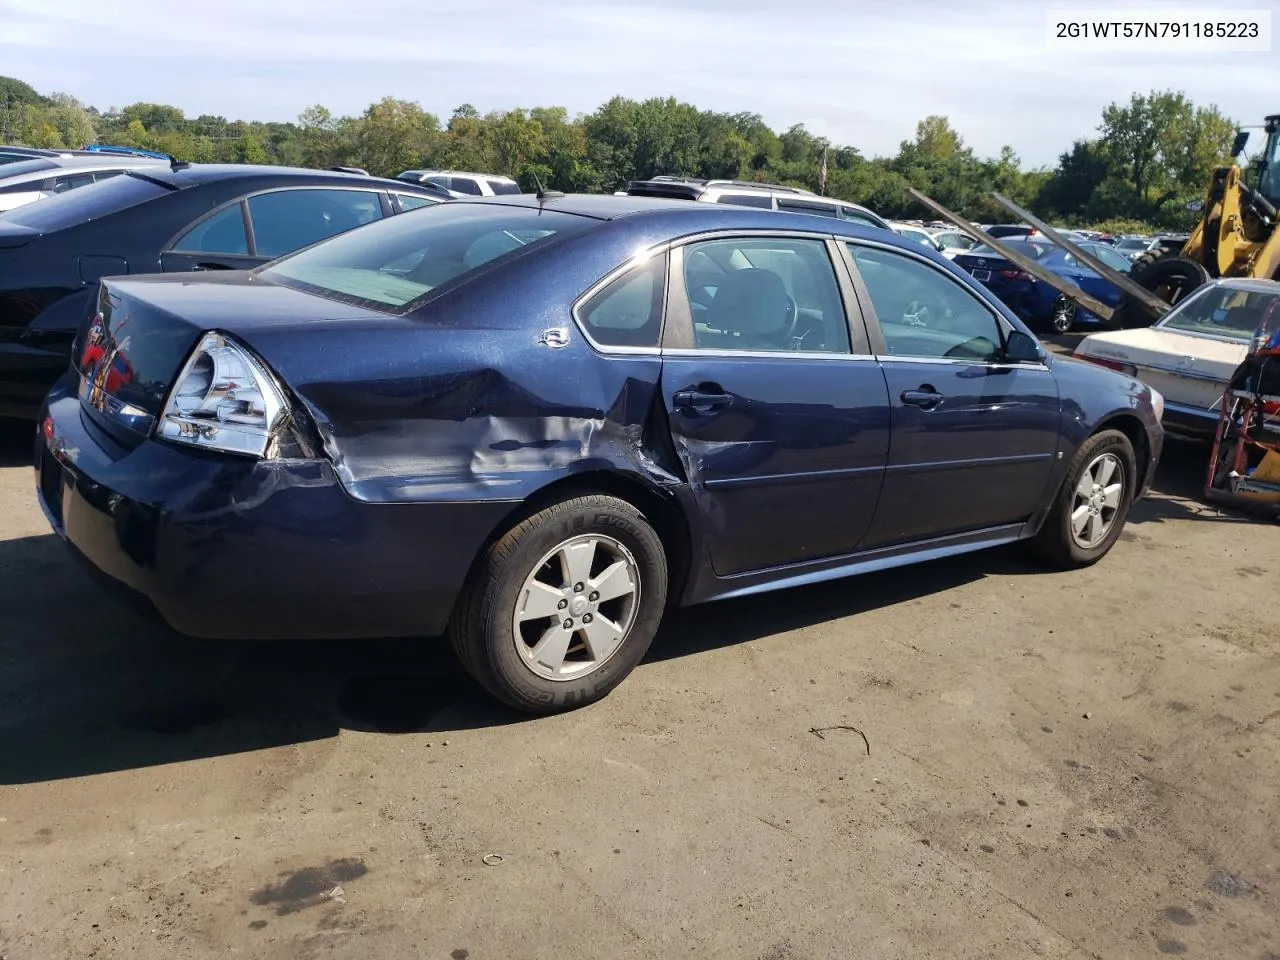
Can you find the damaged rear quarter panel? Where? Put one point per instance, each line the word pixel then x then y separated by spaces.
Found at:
pixel 459 402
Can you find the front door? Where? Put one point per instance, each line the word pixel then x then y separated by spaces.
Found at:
pixel 779 415
pixel 974 435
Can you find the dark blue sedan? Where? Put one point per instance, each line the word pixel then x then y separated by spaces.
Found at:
pixel 1035 301
pixel 535 424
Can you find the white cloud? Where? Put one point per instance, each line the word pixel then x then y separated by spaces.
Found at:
pixel 859 73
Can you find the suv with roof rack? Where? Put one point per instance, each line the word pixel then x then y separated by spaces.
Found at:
pixel 464 184
pixel 749 193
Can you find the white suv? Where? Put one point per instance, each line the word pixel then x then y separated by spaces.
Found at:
pixel 38 178
pixel 464 184
pixel 746 193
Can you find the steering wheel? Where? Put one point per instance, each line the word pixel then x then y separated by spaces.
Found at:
pixel 916 313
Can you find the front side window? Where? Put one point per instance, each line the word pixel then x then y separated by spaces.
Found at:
pixel 399 263
pixel 628 312
pixel 765 294
pixel 924 313
pixel 223 233
pixel 288 220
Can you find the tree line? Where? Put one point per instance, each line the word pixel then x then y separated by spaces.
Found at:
pixel 1148 159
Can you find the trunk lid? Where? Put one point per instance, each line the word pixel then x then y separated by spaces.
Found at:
pixel 128 354
pixel 1186 369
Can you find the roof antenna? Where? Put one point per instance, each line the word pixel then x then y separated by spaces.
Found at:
pixel 175 164
pixel 543 193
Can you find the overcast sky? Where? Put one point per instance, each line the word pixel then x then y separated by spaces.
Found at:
pixel 858 72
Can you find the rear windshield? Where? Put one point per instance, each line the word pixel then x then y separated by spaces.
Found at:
pixel 87 203
pixel 19 167
pixel 1224 312
pixel 394 265
pixel 1131 244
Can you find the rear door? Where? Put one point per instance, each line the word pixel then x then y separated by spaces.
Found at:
pixel 775 405
pixel 974 436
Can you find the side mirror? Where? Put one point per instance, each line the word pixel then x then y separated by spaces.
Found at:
pixel 1238 145
pixel 1021 347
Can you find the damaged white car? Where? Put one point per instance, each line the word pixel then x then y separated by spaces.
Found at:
pixel 1190 354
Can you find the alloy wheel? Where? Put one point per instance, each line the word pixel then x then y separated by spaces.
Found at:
pixel 1064 315
pixel 1097 500
pixel 576 608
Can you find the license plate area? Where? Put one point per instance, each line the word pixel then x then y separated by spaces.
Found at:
pixel 982 275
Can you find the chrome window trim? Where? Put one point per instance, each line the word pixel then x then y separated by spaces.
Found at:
pixel 694 353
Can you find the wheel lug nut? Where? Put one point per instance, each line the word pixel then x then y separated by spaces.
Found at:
pixel 562 604
pixel 586 618
pixel 568 624
pixel 593 597
pixel 577 588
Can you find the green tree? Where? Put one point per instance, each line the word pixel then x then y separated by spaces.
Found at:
pixel 394 135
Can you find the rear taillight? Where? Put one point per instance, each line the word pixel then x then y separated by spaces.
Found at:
pixel 1014 275
pixel 1117 365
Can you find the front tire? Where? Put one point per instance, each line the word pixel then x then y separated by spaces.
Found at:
pixel 1093 504
pixel 564 606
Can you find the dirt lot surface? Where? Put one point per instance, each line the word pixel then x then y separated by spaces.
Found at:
pixel 1044 765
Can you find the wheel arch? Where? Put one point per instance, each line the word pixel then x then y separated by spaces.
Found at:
pixel 1132 427
pixel 660 507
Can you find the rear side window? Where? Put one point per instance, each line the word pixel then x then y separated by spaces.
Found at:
pixel 628 312
pixel 221 233
pixel 288 220
pixel 410 201
pixel 399 263
pixel 464 185
pixel 762 200
pixel 71 182
pixel 503 188
pixel 76 206
pixel 799 206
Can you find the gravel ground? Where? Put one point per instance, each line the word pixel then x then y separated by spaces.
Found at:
pixel 965 759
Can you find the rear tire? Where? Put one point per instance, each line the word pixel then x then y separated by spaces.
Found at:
pixel 564 606
pixel 1090 512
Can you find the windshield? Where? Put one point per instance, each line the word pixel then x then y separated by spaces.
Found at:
pixel 394 265
pixel 1132 244
pixel 1223 312
pixel 86 203
pixel 1269 180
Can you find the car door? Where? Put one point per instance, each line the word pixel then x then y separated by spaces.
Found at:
pixel 255 229
pixel 974 434
pixel 776 408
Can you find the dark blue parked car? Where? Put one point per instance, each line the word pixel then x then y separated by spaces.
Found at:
pixel 1034 301
pixel 536 424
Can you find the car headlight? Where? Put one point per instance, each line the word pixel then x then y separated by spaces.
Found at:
pixel 1157 402
pixel 223 399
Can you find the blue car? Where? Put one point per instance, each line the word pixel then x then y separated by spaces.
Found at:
pixel 536 423
pixel 1039 304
